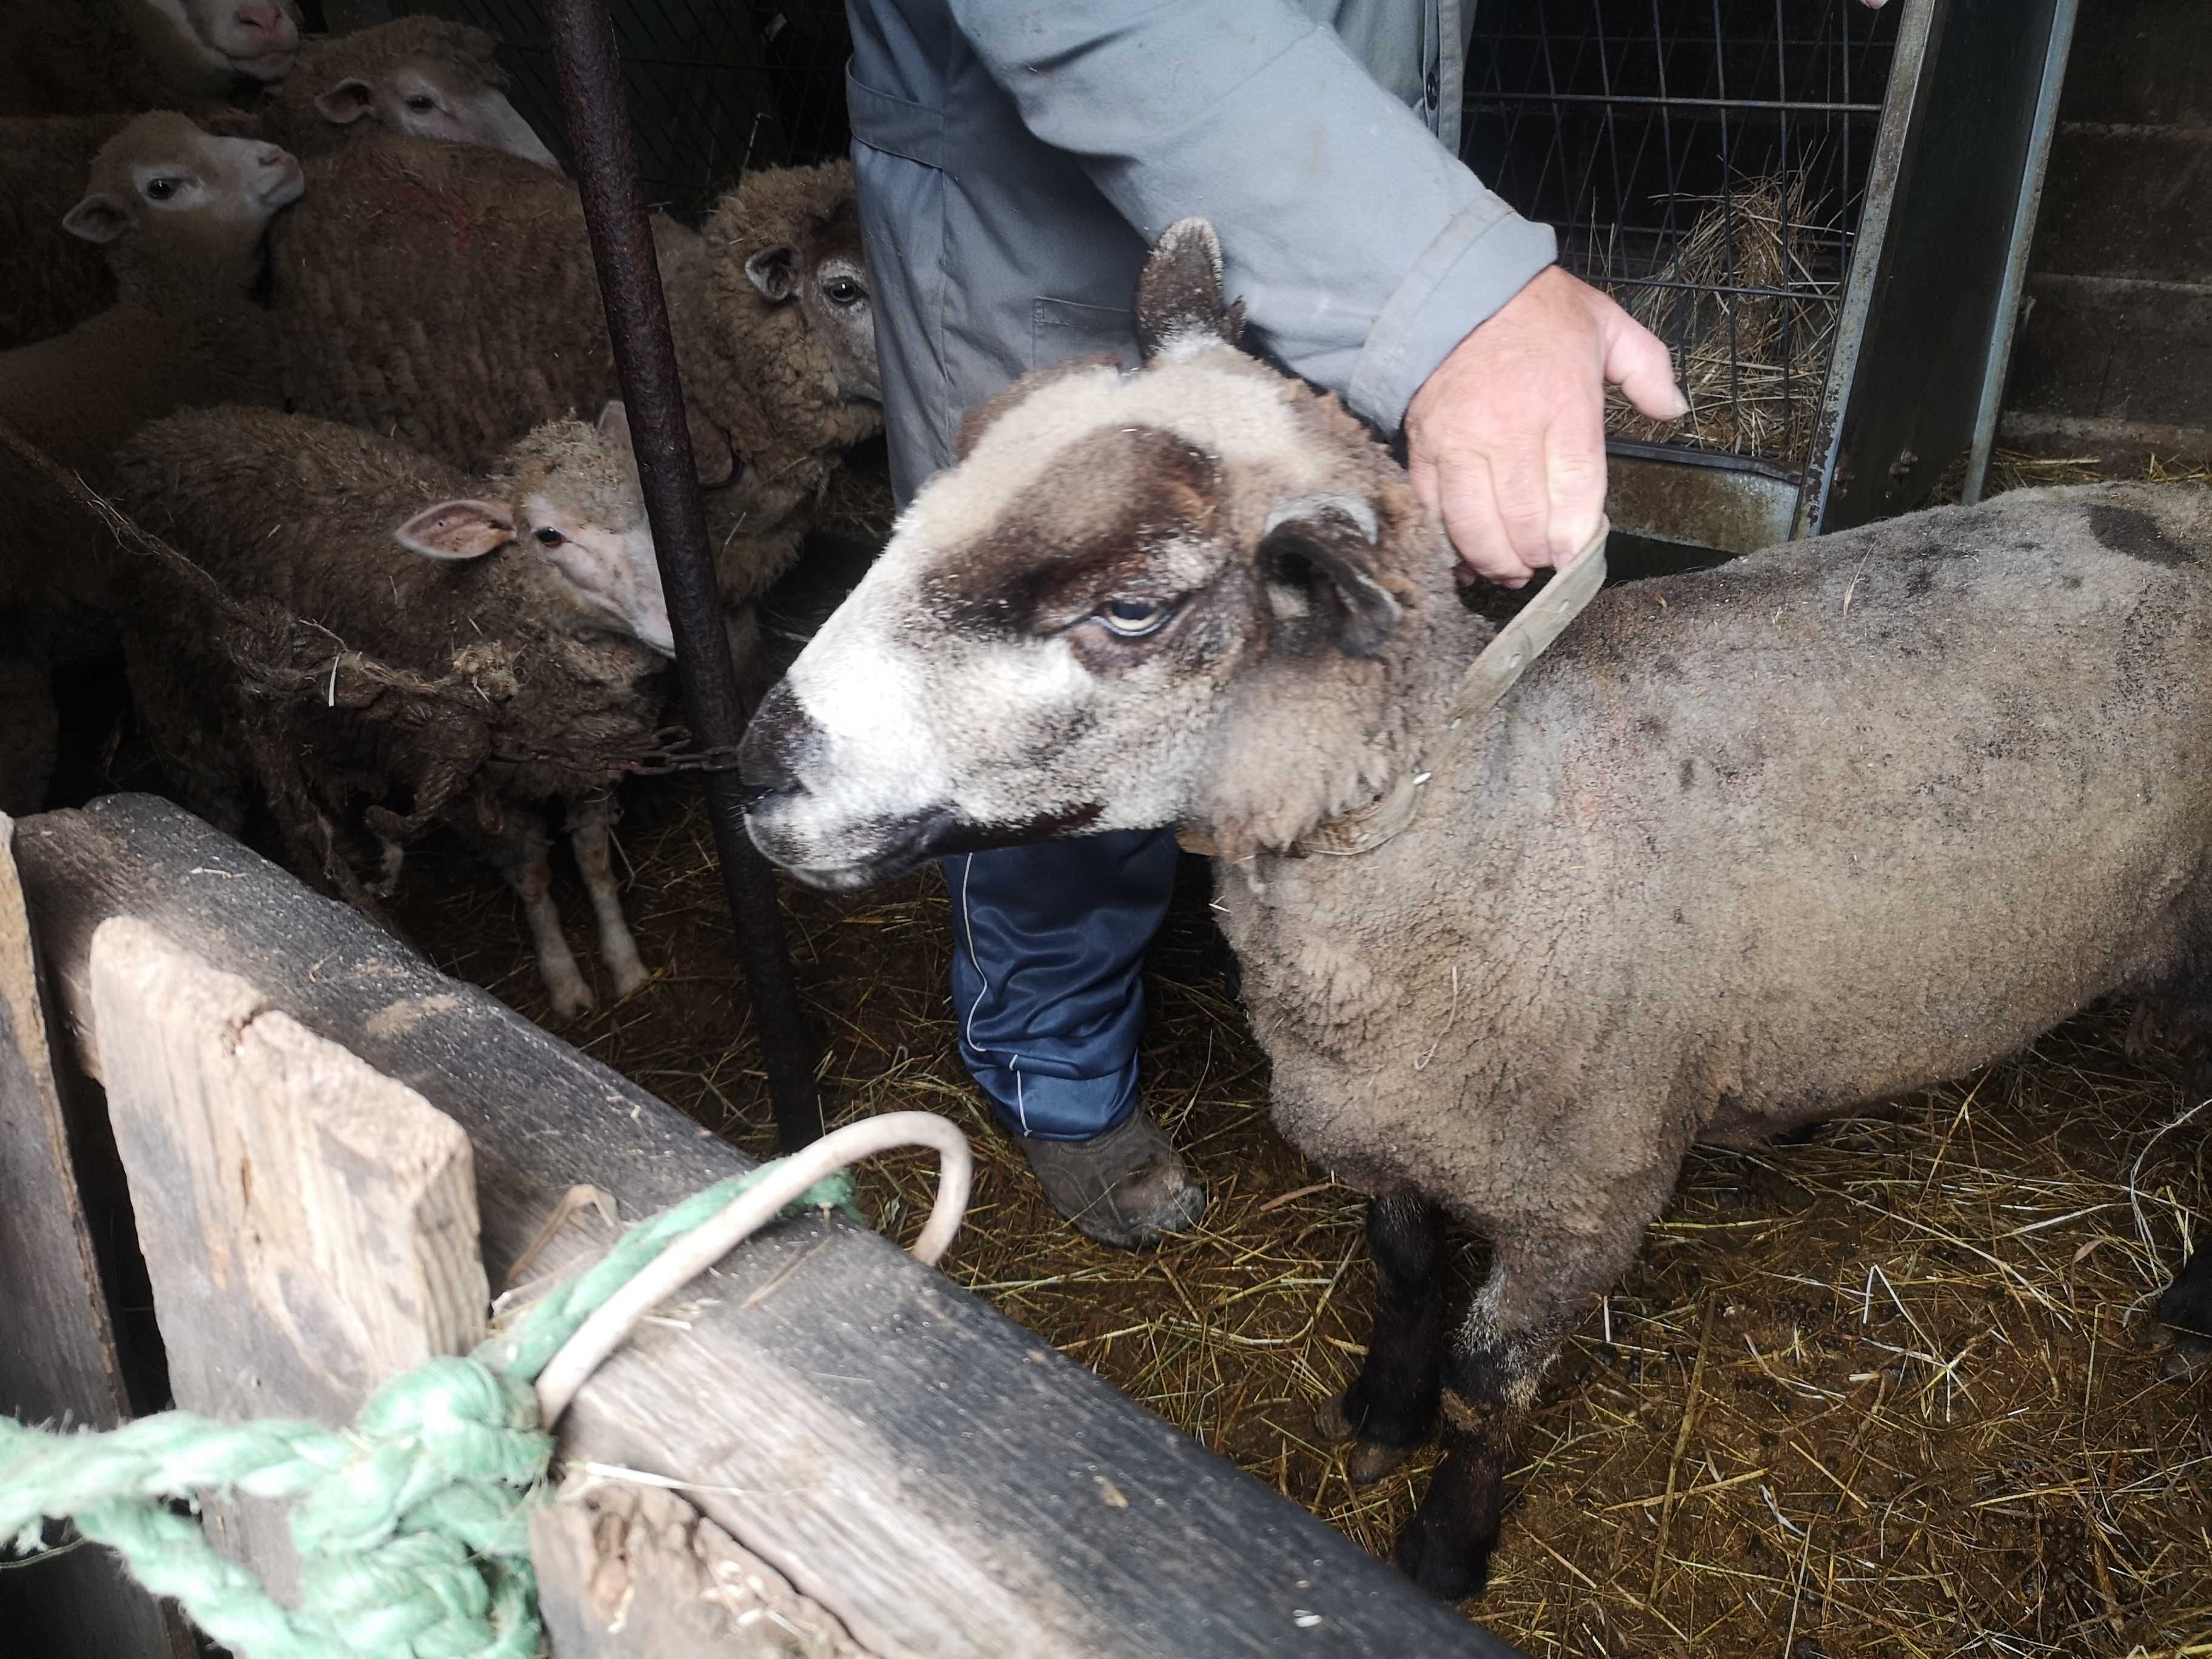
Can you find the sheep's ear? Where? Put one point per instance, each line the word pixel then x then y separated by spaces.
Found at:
pixel 457 530
pixel 1326 544
pixel 614 421
pixel 99 217
pixel 1179 292
pixel 346 102
pixel 774 271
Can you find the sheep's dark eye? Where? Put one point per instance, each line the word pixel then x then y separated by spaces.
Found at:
pixel 549 537
pixel 844 291
pixel 420 103
pixel 160 190
pixel 1134 618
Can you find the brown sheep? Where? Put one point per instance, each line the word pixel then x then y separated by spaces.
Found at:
pixel 84 56
pixel 446 294
pixel 1747 849
pixel 528 602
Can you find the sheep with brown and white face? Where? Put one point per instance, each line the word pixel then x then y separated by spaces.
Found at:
pixel 1749 847
pixel 404 646
pixel 419 75
pixel 425 78
pixel 445 293
pixel 181 216
pixel 81 56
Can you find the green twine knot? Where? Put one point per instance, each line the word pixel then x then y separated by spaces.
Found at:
pixel 413 1528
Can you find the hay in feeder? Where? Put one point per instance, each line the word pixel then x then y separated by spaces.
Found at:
pixel 1753 364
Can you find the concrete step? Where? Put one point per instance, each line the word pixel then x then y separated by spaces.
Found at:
pixel 2141 62
pixel 2128 201
pixel 2115 347
pixel 2119 448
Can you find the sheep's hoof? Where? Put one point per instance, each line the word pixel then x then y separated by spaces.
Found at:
pixel 1365 1462
pixel 1447 1571
pixel 629 976
pixel 570 1001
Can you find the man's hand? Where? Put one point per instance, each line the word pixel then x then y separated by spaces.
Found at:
pixel 1505 439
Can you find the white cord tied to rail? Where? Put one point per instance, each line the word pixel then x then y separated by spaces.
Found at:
pixel 781 1183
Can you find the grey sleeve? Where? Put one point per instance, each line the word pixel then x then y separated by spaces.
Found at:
pixel 1363 249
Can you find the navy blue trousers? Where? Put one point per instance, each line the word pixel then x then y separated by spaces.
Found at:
pixel 1048 960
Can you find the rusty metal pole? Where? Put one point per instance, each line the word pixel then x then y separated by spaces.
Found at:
pixel 645 358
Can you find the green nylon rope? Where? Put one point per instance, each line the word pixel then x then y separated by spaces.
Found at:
pixel 413 1526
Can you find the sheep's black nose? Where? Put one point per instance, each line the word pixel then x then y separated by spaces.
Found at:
pixel 781 742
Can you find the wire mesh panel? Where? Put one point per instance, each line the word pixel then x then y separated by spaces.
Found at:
pixel 714 87
pixel 1705 161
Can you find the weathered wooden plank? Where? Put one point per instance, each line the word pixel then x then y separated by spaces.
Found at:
pixel 310 1226
pixel 57 1358
pixel 628 1572
pixel 929 1472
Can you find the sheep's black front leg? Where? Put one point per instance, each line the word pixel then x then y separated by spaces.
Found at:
pixel 1539 1286
pixel 1390 1409
pixel 2187 1307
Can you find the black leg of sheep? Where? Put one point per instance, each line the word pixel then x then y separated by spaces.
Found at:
pixel 1392 1407
pixel 2187 1307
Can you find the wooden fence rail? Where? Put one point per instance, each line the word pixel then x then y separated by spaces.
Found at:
pixel 854 1445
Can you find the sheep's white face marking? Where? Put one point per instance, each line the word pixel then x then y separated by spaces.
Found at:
pixel 1045 646
pixel 435 99
pixel 164 178
pixel 259 39
pixel 611 570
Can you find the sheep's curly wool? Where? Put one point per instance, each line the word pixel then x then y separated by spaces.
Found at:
pixel 445 294
pixel 478 687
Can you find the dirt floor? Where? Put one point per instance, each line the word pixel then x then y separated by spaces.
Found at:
pixel 1890 1391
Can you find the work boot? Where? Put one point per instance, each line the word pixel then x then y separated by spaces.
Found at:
pixel 1125 1187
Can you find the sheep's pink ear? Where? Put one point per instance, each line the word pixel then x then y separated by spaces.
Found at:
pixel 99 217
pixel 1326 544
pixel 457 530
pixel 614 421
pixel 347 102
pixel 774 271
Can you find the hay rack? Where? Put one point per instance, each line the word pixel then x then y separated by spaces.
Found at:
pixel 1823 209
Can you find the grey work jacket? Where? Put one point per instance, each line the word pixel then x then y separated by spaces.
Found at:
pixel 1017 157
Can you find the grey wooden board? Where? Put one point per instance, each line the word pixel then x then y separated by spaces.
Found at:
pixel 57 1361
pixel 929 1472
pixel 310 1226
pixel 626 1571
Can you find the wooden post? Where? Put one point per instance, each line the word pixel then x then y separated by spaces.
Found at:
pixel 57 1357
pixel 309 1224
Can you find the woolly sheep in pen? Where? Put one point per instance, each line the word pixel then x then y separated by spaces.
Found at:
pixel 81 56
pixel 446 294
pixel 525 606
pixel 422 76
pixel 1747 849
pixel 181 216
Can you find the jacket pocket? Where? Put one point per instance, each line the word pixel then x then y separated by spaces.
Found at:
pixel 1061 329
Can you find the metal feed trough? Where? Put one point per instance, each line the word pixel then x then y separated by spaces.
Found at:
pixel 1823 209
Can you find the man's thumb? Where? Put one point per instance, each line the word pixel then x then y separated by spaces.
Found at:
pixel 1636 361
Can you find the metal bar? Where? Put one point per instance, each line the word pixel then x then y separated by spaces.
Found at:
pixel 1903 97
pixel 1999 361
pixel 645 358
pixel 1645 100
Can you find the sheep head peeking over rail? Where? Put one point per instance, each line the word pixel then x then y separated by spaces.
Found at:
pixel 1748 848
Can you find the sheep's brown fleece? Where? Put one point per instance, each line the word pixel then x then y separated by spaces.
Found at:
pixel 288 115
pixel 293 517
pixel 445 294
pixel 51 280
pixel 83 57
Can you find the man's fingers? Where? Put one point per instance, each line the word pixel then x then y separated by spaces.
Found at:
pixel 1468 503
pixel 1636 361
pixel 1574 475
